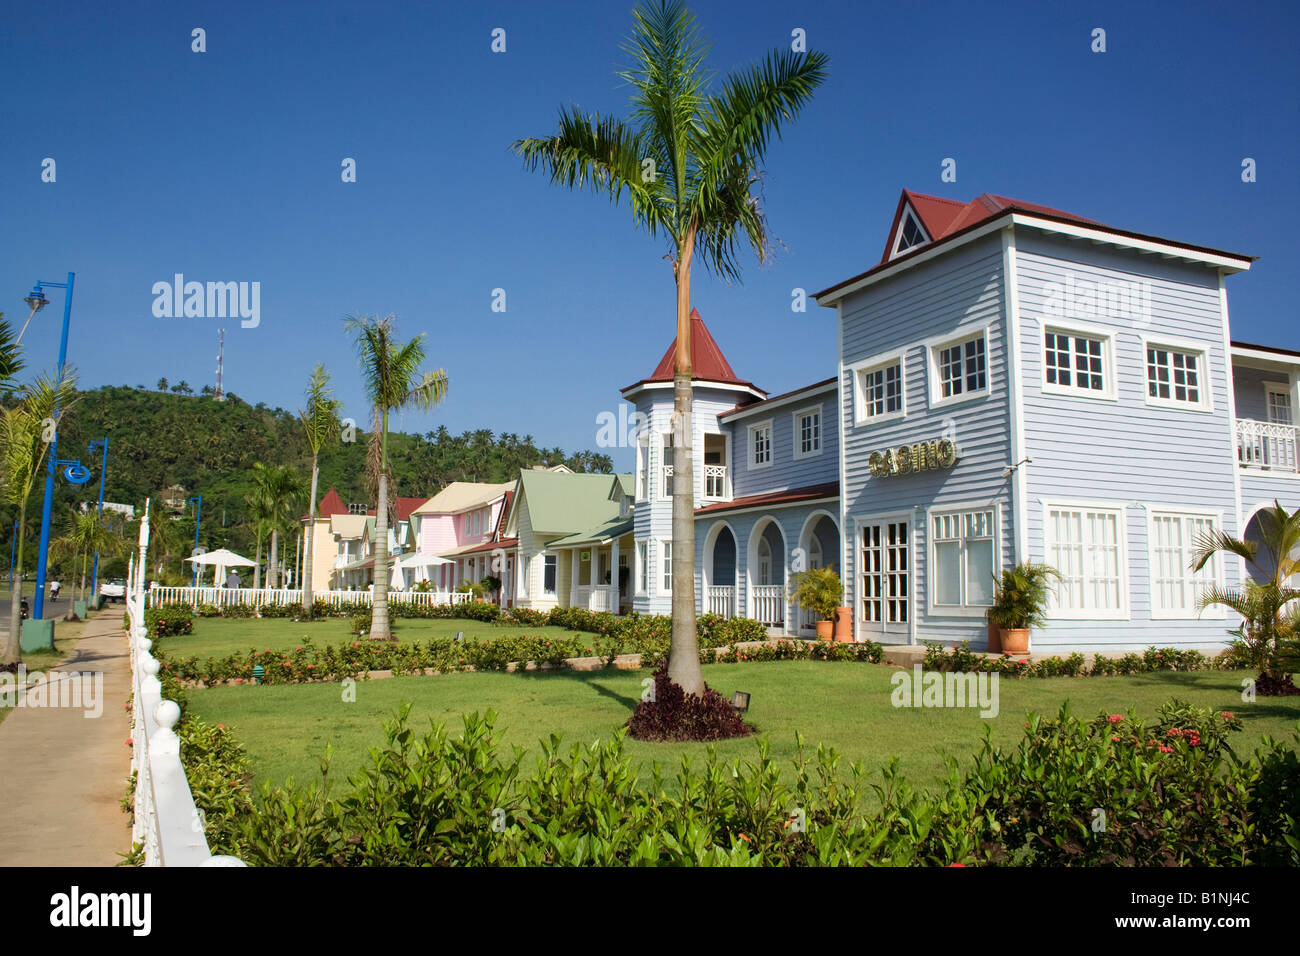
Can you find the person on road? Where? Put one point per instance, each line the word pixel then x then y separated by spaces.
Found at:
pixel 54 590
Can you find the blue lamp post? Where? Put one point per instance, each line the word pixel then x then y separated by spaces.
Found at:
pixel 37 301
pixel 198 516
pixel 103 472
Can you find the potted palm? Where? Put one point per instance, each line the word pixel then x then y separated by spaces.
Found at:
pixel 1019 603
pixel 819 590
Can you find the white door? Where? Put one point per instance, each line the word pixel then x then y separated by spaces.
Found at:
pixel 886 578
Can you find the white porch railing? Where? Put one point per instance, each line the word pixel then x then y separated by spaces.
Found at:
pixel 258 597
pixel 722 600
pixel 1267 445
pixel 598 598
pixel 167 822
pixel 715 481
pixel 769 604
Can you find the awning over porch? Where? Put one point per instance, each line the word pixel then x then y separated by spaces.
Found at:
pixel 603 533
pixel 829 489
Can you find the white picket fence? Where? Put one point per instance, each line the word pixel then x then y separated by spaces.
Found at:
pixel 257 597
pixel 166 819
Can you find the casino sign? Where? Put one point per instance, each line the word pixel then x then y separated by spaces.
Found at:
pixel 907 459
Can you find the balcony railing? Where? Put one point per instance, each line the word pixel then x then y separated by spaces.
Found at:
pixel 715 481
pixel 1267 445
pixel 769 604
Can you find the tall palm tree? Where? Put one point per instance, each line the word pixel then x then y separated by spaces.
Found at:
pixel 283 490
pixel 86 532
pixel 320 423
pixel 688 160
pixel 1271 621
pixel 390 373
pixel 258 509
pixel 25 432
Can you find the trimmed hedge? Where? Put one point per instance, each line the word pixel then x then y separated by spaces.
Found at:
pixel 961 658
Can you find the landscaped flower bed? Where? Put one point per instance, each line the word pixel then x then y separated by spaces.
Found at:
pixel 962 659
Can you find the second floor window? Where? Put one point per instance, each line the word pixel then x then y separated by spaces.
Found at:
pixel 760 445
pixel 808 433
pixel 882 391
pixel 1075 363
pixel 1174 376
pixel 962 368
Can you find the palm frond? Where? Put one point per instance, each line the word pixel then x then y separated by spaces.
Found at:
pixel 320 419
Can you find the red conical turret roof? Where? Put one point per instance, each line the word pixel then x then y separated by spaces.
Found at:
pixel 708 364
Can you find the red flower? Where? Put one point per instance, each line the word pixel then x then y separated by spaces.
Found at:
pixel 956 864
pixel 1226 715
pixel 1114 738
pixel 130 742
pixel 1115 718
pixel 1166 750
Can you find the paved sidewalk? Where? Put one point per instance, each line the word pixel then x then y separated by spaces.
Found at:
pixel 63 775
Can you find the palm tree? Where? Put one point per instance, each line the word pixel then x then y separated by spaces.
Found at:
pixel 390 373
pixel 276 492
pixel 1271 622
pixel 688 161
pixel 320 422
pixel 11 362
pixel 25 433
pixel 86 532
pixel 165 538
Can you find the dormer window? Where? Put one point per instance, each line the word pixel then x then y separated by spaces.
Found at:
pixel 910 233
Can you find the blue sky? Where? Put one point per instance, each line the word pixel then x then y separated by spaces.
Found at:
pixel 225 166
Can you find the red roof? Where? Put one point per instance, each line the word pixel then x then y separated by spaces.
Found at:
pixel 505 544
pixel 331 504
pixel 708 364
pixel 406 505
pixel 942 217
pixel 830 489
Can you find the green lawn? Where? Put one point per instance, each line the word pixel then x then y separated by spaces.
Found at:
pixel 846 706
pixel 220 637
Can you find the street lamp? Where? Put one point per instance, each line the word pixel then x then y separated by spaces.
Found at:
pixel 37 301
pixel 103 472
pixel 198 516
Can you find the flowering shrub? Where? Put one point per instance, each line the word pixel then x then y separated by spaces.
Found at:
pixel 168 621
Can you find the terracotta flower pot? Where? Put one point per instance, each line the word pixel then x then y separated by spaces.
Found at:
pixel 844 624
pixel 995 638
pixel 1015 640
pixel 824 630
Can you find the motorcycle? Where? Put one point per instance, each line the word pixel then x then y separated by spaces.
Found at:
pixel 23 609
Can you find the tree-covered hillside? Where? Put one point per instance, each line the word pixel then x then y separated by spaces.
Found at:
pixel 158 439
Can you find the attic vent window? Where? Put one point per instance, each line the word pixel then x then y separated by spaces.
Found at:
pixel 910 234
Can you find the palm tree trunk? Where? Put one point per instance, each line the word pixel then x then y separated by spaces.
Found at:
pixel 257 568
pixel 272 570
pixel 684 651
pixel 14 644
pixel 85 559
pixel 379 629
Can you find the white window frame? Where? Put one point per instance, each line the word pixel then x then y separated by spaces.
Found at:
pixel 546 559
pixel 909 213
pixel 1278 388
pixel 959 337
pixel 964 609
pixel 666 565
pixel 1109 392
pixel 796 418
pixel 750 464
pixel 1205 401
pixel 665 493
pixel 643 467
pixel 860 371
pixel 1125 610
pixel 642 566
pixel 1188 613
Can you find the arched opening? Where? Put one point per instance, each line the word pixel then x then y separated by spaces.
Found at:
pixel 820 544
pixel 767 561
pixel 720 571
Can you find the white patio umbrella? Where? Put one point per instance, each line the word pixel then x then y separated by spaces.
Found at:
pixel 220 560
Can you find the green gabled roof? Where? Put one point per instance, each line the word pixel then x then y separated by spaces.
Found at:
pixel 560 503
pixel 606 531
pixel 628 484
